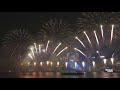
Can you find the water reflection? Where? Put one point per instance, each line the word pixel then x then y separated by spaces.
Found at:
pixel 58 75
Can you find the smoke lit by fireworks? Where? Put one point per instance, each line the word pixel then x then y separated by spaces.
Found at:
pixel 45 53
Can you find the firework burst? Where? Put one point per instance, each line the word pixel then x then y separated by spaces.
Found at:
pixel 17 42
pixel 46 52
pixel 92 20
pixel 56 31
pixel 99 43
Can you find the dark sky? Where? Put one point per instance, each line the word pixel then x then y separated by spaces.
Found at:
pixel 31 21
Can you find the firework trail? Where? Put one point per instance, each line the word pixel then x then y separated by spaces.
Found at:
pixel 80 51
pixel 80 42
pixel 56 48
pixel 62 51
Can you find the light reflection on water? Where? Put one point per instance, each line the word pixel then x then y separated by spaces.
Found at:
pixel 58 75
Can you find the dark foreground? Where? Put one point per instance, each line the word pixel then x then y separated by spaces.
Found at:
pixel 59 75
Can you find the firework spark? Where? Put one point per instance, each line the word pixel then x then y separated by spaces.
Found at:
pixel 17 41
pixel 47 45
pixel 92 20
pixel 56 48
pixel 30 56
pixel 56 31
pixel 96 37
pixel 80 51
pixel 101 26
pixel 35 47
pixel 87 38
pixel 62 51
pixel 80 42
pixel 112 33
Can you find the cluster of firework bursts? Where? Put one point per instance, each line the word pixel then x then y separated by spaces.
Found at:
pixel 58 40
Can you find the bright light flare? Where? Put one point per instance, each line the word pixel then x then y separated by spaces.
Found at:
pixel 80 51
pixel 75 64
pixel 62 51
pixel 47 63
pixel 32 52
pixel 80 42
pixel 43 50
pixel 101 26
pixel 83 64
pixel 35 47
pixel 102 56
pixel 66 64
pixel 41 63
pixel 51 63
pixel 104 60
pixel 93 62
pixel 97 51
pixel 112 60
pixel 56 48
pixel 35 63
pixel 58 63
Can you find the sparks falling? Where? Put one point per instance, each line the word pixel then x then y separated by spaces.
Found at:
pixel 112 33
pixel 56 47
pixel 47 45
pixel 30 56
pixel 35 47
pixel 87 38
pixel 80 42
pixel 102 31
pixel 80 51
pixel 62 51
pixel 96 37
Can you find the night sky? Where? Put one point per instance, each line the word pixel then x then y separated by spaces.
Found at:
pixel 31 21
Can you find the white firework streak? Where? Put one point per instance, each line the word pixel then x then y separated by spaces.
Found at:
pixel 80 52
pixel 62 51
pixel 39 48
pixel 41 63
pixel 112 60
pixel 58 63
pixel 102 31
pixel 30 56
pixel 104 60
pixel 32 52
pixel 75 64
pixel 80 42
pixel 96 37
pixel 66 63
pixel 35 47
pixel 93 63
pixel 112 33
pixel 112 55
pixel 83 63
pixel 47 45
pixel 56 47
pixel 87 37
